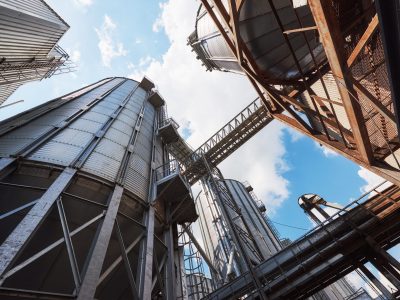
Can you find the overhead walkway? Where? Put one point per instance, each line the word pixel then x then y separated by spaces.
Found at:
pixel 230 137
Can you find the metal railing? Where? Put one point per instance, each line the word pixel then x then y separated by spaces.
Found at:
pixel 170 168
pixel 347 217
pixel 246 114
pixel 168 121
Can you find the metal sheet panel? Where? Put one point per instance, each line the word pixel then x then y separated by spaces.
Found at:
pixel 122 126
pixel 139 165
pixel 101 165
pixel 110 149
pixel 74 137
pixel 136 183
pixel 56 153
pixel 117 136
pixel 87 125
pixel 36 8
pixel 126 118
pixel 96 117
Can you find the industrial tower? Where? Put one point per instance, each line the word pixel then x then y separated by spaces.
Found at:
pixel 29 50
pixel 95 201
pixel 329 70
pixel 95 186
pixel 325 68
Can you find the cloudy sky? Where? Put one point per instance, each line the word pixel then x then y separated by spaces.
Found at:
pixel 133 38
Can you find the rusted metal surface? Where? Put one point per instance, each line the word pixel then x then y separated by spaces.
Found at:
pixel 346 98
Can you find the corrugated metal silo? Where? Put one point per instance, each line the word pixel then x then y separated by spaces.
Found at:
pixel 29 33
pixel 262 242
pixel 82 211
pixel 262 35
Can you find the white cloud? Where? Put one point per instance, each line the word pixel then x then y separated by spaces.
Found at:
pixel 109 48
pixel 145 61
pixel 75 56
pixel 159 22
pixel 326 151
pixel 209 100
pixel 372 180
pixel 83 3
pixel 138 41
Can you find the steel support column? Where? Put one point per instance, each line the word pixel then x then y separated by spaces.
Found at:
pixel 333 43
pixel 95 264
pixel 170 276
pixel 375 281
pixel 382 267
pixel 17 240
pixel 144 277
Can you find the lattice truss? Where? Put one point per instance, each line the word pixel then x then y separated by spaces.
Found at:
pixel 342 98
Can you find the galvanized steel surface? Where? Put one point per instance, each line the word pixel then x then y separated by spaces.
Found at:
pixel 71 141
pixel 29 32
pixel 260 32
pixel 217 240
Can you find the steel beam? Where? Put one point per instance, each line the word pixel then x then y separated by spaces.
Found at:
pixel 332 40
pixel 48 249
pixel 144 276
pixel 373 25
pixel 169 271
pixel 68 243
pixel 375 281
pixel 378 105
pixel 116 262
pixel 127 264
pixel 95 264
pixel 18 239
pixel 380 265
pixel 201 251
pixel 389 22
pixel 381 169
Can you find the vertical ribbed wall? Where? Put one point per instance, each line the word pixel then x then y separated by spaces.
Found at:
pixel 64 146
pixel 262 35
pixel 29 32
pixel 264 237
pixel 217 241
pixel 75 196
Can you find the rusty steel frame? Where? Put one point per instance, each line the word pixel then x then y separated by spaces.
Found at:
pixel 355 144
pixel 362 241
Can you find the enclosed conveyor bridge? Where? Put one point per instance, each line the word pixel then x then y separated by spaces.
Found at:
pixel 230 137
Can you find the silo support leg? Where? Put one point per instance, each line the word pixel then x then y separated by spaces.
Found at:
pixel 145 271
pixel 92 274
pixel 20 236
pixel 170 278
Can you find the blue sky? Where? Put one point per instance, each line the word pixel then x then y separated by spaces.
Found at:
pixel 132 38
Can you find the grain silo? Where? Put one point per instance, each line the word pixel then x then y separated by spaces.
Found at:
pixel 89 198
pixel 29 34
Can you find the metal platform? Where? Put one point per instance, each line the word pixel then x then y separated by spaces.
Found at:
pixel 174 194
pixel 168 131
